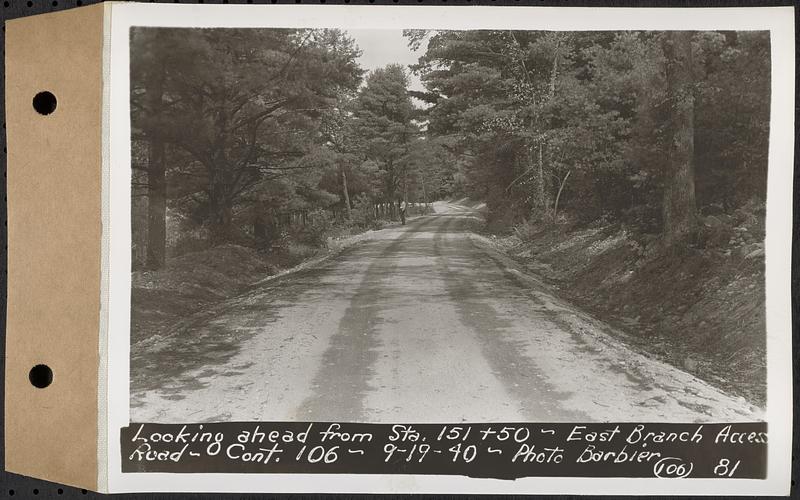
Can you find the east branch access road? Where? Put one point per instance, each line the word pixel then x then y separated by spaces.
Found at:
pixel 417 324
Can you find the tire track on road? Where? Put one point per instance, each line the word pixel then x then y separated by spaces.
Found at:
pixel 538 401
pixel 342 381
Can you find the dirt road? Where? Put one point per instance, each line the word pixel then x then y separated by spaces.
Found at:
pixel 417 324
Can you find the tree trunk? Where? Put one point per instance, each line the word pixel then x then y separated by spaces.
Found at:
pixel 156 206
pixel 405 185
pixel 541 196
pixel 536 167
pixel 554 71
pixel 558 196
pixel 221 211
pixel 221 181
pixel 156 175
pixel 679 210
pixel 347 210
pixel 544 199
pixel 221 222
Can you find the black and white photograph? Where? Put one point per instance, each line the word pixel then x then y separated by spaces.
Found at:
pixel 448 225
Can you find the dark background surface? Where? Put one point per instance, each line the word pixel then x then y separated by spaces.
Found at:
pixel 15 486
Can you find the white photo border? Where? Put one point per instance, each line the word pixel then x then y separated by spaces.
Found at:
pixel 115 333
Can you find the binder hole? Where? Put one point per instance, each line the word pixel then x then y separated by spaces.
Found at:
pixel 44 103
pixel 11 493
pixel 35 491
pixel 41 376
pixel 60 491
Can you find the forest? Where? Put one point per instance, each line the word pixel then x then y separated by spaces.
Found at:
pixel 252 136
pixel 644 127
pixel 605 161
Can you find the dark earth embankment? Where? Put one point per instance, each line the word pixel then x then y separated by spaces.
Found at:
pixel 162 300
pixel 191 283
pixel 700 307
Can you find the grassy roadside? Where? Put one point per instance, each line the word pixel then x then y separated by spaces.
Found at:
pixel 700 307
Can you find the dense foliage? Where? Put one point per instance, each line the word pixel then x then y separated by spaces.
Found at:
pixel 589 122
pixel 240 134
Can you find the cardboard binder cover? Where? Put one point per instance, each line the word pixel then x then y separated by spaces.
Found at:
pixel 54 251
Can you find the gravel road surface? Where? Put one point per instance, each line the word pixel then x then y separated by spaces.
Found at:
pixel 419 323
